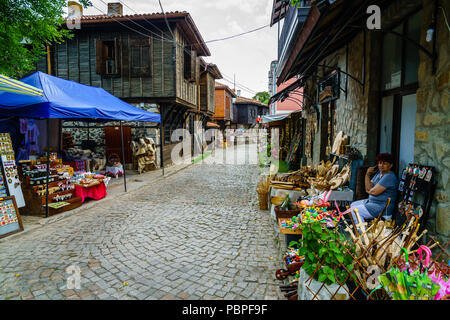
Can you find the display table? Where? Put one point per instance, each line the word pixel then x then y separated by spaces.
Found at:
pixel 114 171
pixel 96 192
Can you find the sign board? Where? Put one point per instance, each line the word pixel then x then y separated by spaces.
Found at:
pixel 12 180
pixel 10 221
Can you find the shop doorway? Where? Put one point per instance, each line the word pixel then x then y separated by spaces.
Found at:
pixel 397 128
pixel 408 125
pixel 114 143
pixel 399 84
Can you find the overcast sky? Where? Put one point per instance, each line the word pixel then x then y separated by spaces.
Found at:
pixel 247 57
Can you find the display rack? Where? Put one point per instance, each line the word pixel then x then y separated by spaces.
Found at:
pixel 34 178
pixel 415 193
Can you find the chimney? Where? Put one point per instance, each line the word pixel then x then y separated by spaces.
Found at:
pixel 115 8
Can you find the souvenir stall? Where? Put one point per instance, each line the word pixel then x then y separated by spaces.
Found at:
pixel 10 186
pixel 310 183
pixel 337 256
pixel 332 254
pixel 50 183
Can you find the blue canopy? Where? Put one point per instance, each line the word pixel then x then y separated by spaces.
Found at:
pixel 69 100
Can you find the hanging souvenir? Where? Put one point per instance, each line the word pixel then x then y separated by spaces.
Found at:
pixel 429 175
pixel 422 173
pixel 408 209
pixel 418 211
pixel 404 174
pixel 401 207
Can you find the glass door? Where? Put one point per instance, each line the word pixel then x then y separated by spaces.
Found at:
pixel 387 112
pixel 407 133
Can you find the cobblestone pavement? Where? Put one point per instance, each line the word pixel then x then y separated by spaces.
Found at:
pixel 198 234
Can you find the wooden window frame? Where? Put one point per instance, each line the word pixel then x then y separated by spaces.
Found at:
pixel 103 60
pixel 190 69
pixel 140 71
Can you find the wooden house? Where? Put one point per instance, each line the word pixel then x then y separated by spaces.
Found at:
pixel 223 105
pixel 152 61
pixel 248 110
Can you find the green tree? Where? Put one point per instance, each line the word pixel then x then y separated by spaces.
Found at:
pixel 26 27
pixel 263 97
pixel 296 3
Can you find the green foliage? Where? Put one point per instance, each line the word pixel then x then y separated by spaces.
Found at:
pixel 328 251
pixel 26 27
pixel 296 3
pixel 263 97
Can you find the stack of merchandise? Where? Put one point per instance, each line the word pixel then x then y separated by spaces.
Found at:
pixel 87 179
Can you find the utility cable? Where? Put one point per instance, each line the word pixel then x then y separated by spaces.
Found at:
pixel 167 22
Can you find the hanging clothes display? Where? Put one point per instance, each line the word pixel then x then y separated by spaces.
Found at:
pixel 31 136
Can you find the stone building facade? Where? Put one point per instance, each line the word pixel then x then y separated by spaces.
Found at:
pixel 360 106
pixel 95 132
pixel 432 134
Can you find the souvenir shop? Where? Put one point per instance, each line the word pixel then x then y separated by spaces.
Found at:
pixel 37 177
pixel 330 253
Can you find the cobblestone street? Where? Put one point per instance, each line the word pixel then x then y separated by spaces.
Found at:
pixel 198 234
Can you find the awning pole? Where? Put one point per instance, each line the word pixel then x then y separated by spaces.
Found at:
pixel 48 168
pixel 123 158
pixel 161 139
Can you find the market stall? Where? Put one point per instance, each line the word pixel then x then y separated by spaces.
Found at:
pixel 61 100
pixel 331 253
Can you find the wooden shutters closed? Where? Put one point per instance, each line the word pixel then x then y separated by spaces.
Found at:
pixel 192 74
pixel 100 67
pixel 140 58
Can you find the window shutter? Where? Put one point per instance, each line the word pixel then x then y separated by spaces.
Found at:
pixel 197 70
pixel 117 54
pixel 135 60
pixel 125 59
pixel 192 75
pixel 145 61
pixel 147 58
pixel 187 62
pixel 100 67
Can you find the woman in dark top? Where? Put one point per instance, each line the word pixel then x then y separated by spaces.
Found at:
pixel 382 186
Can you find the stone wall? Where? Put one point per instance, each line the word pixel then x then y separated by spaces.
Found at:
pixel 97 131
pixel 351 109
pixel 432 136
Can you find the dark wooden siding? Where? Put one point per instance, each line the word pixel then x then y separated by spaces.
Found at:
pixel 207 93
pixel 75 60
pixel 186 91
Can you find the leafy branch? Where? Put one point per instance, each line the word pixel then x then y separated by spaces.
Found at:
pixel 26 27
pixel 324 250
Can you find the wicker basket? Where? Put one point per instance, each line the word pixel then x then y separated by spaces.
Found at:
pixel 288 231
pixel 262 197
pixel 286 213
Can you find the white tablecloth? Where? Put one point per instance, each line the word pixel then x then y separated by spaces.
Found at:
pixel 114 171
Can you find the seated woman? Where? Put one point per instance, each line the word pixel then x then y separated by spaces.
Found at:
pixel 382 186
